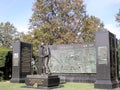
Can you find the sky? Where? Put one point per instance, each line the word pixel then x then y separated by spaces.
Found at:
pixel 106 11
pixel 18 12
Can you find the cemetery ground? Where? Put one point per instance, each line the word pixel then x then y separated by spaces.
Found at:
pixel 7 85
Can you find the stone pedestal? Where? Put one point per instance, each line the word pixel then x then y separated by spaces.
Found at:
pixel 106 84
pixel 21 63
pixel 43 80
pixel 107 62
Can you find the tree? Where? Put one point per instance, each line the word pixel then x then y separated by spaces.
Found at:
pixel 8 34
pixel 119 51
pixel 61 22
pixel 61 19
pixel 64 12
pixel 118 17
pixel 91 25
pixel 3 53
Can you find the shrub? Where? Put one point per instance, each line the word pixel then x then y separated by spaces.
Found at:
pixel 3 53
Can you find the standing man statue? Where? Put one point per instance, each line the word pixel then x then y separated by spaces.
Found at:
pixel 46 56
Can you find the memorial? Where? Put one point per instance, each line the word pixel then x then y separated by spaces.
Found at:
pixel 95 62
pixel 22 55
pixel 107 63
pixel 44 78
pixel 73 58
pixel 74 62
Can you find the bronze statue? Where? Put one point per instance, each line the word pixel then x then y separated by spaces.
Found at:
pixel 46 56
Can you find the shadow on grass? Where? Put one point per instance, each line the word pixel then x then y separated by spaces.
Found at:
pixel 45 88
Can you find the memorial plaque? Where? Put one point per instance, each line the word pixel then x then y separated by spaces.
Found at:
pixel 74 58
pixel 26 59
pixel 102 55
pixel 15 59
pixel 112 56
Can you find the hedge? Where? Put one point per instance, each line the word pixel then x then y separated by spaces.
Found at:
pixel 3 53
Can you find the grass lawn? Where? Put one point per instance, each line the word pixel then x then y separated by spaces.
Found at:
pixel 76 86
pixel 66 86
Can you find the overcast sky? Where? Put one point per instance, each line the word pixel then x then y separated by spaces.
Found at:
pixel 18 12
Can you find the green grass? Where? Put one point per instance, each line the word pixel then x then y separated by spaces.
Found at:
pixel 66 86
pixel 76 86
pixel 13 86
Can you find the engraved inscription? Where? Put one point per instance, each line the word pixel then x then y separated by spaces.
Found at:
pixel 112 57
pixel 102 55
pixel 33 81
pixel 26 59
pixel 15 59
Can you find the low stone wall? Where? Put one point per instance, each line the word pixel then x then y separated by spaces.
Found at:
pixel 86 78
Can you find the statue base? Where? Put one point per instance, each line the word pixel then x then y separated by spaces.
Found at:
pixel 17 80
pixel 106 84
pixel 44 80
